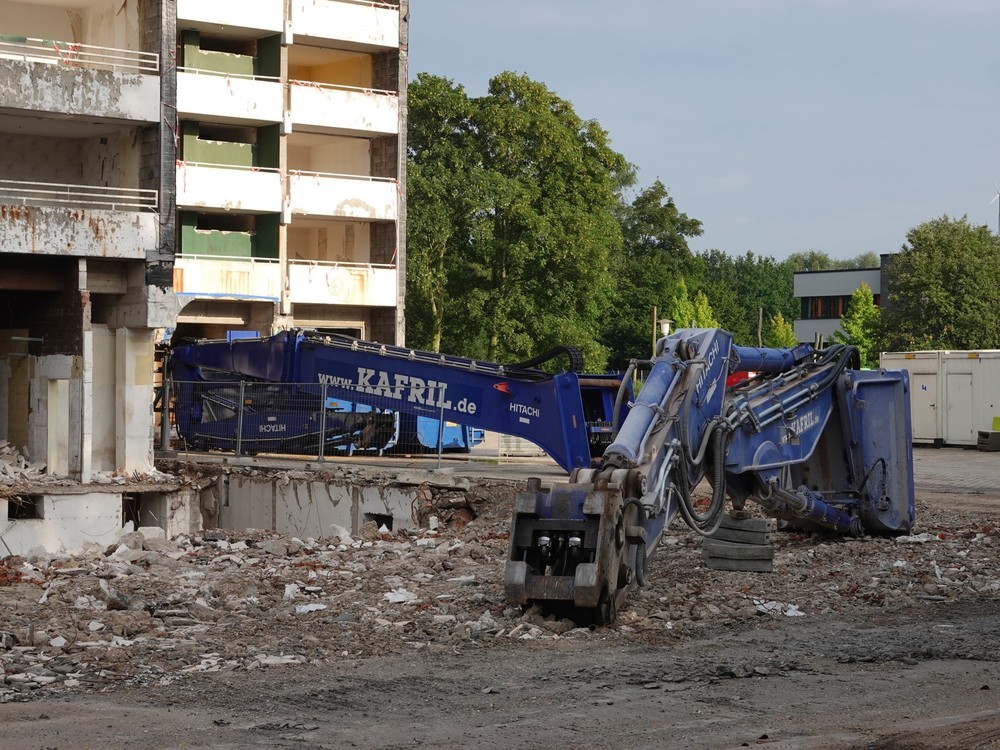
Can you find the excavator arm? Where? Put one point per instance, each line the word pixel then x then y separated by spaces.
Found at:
pixel 809 438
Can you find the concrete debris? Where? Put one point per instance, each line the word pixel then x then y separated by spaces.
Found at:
pixel 151 610
pixel 16 466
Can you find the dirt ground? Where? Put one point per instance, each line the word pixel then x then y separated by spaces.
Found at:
pixel 897 646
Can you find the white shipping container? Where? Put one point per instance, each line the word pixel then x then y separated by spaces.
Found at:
pixel 926 392
pixel 972 394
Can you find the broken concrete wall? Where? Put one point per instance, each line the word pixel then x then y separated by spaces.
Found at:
pixel 55 419
pixel 69 521
pixel 79 232
pixel 48 86
pixel 305 508
pixel 66 522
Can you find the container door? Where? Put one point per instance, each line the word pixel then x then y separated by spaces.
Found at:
pixel 924 406
pixel 958 428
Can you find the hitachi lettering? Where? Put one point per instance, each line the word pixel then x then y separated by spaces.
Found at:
pixel 529 411
pixel 710 358
pixel 272 428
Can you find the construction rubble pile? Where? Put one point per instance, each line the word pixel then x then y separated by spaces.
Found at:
pixel 150 610
pixel 16 466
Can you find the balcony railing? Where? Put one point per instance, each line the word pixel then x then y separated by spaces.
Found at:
pixel 26 193
pixel 343 195
pixel 365 25
pixel 255 189
pixel 349 110
pixel 325 282
pixel 230 97
pixel 74 55
pixel 220 275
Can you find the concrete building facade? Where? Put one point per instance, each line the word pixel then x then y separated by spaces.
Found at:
pixel 193 167
pixel 823 297
pixel 291 166
pixel 86 238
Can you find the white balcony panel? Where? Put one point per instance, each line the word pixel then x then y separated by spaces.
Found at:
pixel 78 232
pixel 342 284
pixel 343 111
pixel 232 99
pixel 324 195
pixel 231 15
pixel 238 277
pixel 42 86
pixel 209 186
pixel 352 25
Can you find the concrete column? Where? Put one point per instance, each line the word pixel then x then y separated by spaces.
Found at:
pixel 86 414
pixel 134 399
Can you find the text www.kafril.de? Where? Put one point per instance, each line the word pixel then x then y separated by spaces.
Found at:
pixel 410 388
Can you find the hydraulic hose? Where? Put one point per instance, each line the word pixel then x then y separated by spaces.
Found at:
pixel 706 523
pixel 640 547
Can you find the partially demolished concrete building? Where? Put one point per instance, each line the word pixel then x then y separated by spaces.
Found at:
pixel 179 165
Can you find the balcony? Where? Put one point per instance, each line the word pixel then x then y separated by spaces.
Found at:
pixel 72 79
pixel 227 188
pixel 320 283
pixel 242 278
pixel 345 24
pixel 232 17
pixel 232 98
pixel 77 220
pixel 343 110
pixel 322 195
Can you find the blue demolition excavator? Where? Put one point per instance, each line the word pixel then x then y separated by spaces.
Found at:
pixel 810 438
pixel 803 433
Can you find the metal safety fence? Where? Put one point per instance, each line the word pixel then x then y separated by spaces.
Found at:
pixel 316 420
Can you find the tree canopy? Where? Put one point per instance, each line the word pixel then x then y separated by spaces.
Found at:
pixel 648 271
pixel 513 221
pixel 744 290
pixel 817 260
pixel 943 290
pixel 861 326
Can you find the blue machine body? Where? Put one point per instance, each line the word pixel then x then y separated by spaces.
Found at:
pixel 285 378
pixel 810 438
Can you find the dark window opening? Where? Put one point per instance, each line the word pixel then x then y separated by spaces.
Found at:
pixel 228 133
pixel 143 509
pixel 380 519
pixel 227 222
pixel 25 507
pixel 222 44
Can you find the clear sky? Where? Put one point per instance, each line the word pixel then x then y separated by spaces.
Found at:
pixel 782 125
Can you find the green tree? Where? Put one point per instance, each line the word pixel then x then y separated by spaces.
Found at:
pixel 743 288
pixel 524 204
pixel 779 333
pixel 943 290
pixel 648 271
pixel 702 314
pixel 860 326
pixel 809 260
pixel 817 260
pixel 444 189
pixel 681 309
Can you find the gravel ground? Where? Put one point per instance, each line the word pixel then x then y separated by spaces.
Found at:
pixel 416 621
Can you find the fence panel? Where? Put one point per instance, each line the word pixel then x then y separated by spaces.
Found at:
pixel 306 419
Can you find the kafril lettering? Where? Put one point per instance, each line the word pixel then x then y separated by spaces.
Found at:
pixel 400 387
